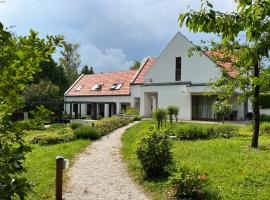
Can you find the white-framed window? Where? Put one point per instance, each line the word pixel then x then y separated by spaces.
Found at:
pixel 96 87
pixel 116 86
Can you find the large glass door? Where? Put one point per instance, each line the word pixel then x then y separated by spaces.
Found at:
pixel 202 107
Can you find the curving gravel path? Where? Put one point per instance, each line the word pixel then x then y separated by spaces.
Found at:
pixel 99 173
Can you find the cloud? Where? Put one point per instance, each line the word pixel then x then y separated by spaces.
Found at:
pixel 111 33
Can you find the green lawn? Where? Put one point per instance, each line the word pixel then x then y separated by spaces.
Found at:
pixel 40 165
pixel 235 170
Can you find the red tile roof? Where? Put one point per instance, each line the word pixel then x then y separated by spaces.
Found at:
pixel 227 66
pixel 86 82
pixel 139 79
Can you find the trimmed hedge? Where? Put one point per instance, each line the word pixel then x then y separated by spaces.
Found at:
pixel 75 125
pixel 202 131
pixel 265 100
pixel 264 118
pixel 87 132
pixel 107 125
pixel 49 138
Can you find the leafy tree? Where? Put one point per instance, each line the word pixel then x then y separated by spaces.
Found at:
pixel 160 115
pixel 43 93
pixel 86 70
pixel 245 42
pixel 52 71
pixel 135 66
pixel 19 61
pixel 70 61
pixel 222 108
pixel 41 113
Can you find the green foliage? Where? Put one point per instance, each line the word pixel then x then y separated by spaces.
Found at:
pixel 20 58
pixel 265 127
pixel 222 108
pixel 107 125
pixel 135 66
pixel 173 112
pixel 265 118
pixel 191 131
pixel 189 184
pixel 42 93
pixel 134 113
pixel 153 152
pixel 40 164
pixel 249 56
pixel 86 70
pixel 265 100
pixel 234 170
pixel 52 138
pixel 41 114
pixel 160 115
pixel 70 61
pixel 75 125
pixel 87 132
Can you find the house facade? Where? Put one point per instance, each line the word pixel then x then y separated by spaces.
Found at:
pixel 173 78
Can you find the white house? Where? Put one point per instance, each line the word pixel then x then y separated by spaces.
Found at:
pixel 173 78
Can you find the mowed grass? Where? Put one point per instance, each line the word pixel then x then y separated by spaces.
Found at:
pixel 40 165
pixel 235 170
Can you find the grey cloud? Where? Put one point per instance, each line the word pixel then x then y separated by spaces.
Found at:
pixel 112 33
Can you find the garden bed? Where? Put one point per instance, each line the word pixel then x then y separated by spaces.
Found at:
pixel 234 169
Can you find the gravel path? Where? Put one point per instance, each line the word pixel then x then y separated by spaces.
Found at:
pixel 99 173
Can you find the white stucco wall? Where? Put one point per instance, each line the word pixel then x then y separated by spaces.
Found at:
pixel 170 95
pixel 197 68
pixel 265 111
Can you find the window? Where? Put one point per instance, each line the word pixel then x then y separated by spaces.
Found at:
pixel 178 69
pixel 79 88
pixel 96 87
pixel 116 86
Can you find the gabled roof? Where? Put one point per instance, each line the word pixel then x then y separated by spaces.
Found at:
pixel 139 77
pixel 85 83
pixel 226 66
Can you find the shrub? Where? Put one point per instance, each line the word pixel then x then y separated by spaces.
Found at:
pixel 134 113
pixel 264 118
pixel 160 115
pixel 107 125
pixel 173 111
pixel 189 184
pixel 192 131
pixel 87 132
pixel 49 138
pixel 154 154
pixel 75 125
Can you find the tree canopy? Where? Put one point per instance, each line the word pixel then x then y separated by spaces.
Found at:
pixel 86 70
pixel 20 59
pixel 70 61
pixel 135 66
pixel 245 43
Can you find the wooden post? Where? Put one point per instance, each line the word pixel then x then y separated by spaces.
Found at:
pixel 59 177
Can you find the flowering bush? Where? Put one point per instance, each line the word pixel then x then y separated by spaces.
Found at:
pixel 189 184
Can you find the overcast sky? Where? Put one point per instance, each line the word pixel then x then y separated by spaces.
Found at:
pixel 111 33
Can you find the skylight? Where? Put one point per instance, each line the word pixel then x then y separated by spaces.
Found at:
pixel 116 86
pixel 96 87
pixel 79 88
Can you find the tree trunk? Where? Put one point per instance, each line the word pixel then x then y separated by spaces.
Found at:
pixel 256 110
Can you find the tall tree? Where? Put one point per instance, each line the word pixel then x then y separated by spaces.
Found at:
pixel 70 61
pixel 19 61
pixel 86 70
pixel 135 66
pixel 249 56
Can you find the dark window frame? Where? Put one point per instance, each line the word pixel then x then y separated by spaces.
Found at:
pixel 178 68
